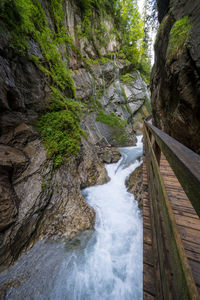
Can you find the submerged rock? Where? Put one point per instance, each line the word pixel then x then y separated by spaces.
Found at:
pixel 135 186
pixel 109 155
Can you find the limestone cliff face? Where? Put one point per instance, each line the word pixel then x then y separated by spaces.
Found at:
pixel 37 199
pixel 176 74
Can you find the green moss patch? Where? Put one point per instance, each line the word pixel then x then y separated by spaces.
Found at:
pixel 111 120
pixel 179 37
pixel 126 78
pixel 61 134
pixel 25 20
pixel 118 125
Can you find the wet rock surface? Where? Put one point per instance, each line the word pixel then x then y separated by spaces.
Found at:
pixel 43 201
pixel 135 186
pixel 176 82
pixel 109 155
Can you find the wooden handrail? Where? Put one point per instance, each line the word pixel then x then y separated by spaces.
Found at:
pixel 174 278
pixel 184 162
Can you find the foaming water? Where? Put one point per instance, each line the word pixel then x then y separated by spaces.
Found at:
pixel 104 265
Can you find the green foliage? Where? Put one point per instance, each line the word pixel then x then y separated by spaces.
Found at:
pixel 43 185
pixel 26 19
pixel 91 62
pixel 98 5
pixel 144 66
pixel 104 60
pixel 179 37
pixel 111 119
pixel 126 78
pixel 128 27
pixel 60 128
pixel 132 27
pixel 93 26
pixel 61 134
pixel 116 123
pixel 121 139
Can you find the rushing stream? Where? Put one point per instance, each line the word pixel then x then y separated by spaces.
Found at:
pixel 101 264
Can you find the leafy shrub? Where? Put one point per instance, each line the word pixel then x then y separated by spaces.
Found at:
pixel 61 134
pixel 60 128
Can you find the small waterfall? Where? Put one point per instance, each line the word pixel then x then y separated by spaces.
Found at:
pixel 104 89
pixel 119 91
pixel 94 92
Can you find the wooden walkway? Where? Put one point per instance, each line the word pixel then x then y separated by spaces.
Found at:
pixel 187 222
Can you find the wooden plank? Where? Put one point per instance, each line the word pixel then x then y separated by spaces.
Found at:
pixel 178 193
pixel 148 254
pixel 171 183
pixel 146 211
pixel 193 256
pixel 195 266
pixel 188 222
pixel 145 203
pixel 179 200
pixel 185 213
pixel 191 246
pixel 173 188
pixel 183 209
pixel 148 279
pixel 147 236
pixel 147 222
pixel 147 296
pixel 189 234
pixel 146 194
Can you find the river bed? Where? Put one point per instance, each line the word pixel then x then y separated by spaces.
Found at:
pixel 105 263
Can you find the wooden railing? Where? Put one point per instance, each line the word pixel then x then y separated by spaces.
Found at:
pixel 174 279
pixel 184 162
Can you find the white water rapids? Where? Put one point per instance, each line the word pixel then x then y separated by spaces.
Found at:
pixel 105 265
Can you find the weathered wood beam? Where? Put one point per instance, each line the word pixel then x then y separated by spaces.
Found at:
pixel 184 162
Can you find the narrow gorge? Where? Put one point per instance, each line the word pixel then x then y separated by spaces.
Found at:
pixel 75 87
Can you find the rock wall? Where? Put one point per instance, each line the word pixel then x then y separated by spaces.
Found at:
pixel 135 185
pixel 37 199
pixel 175 82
